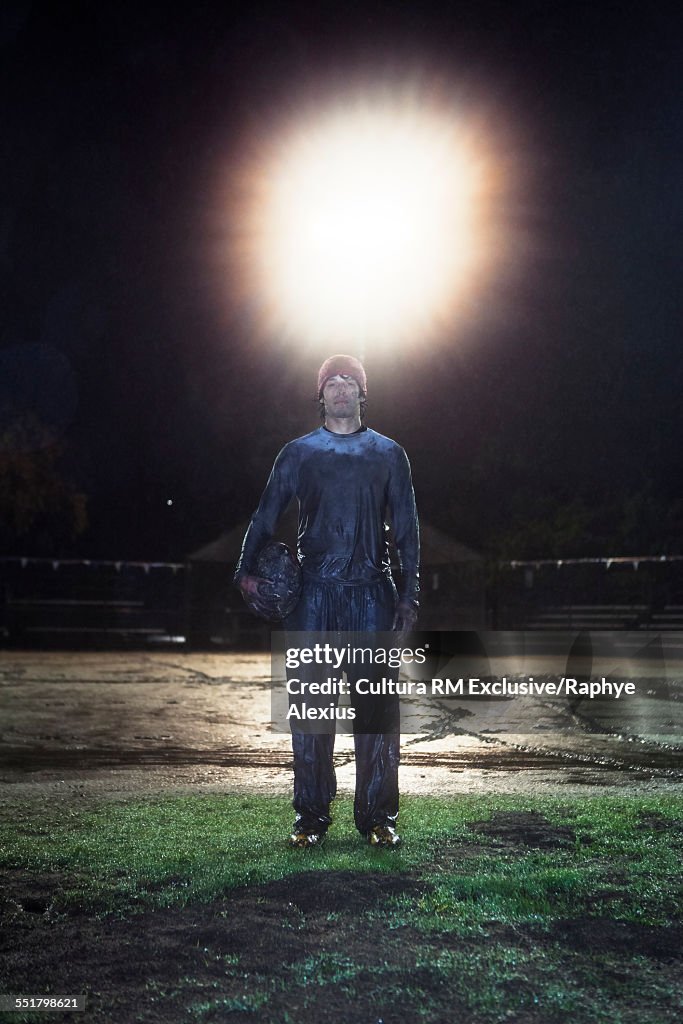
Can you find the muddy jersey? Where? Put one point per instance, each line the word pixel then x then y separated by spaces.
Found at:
pixel 349 487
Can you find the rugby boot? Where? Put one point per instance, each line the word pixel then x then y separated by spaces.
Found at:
pixel 385 836
pixel 306 832
pixel 305 840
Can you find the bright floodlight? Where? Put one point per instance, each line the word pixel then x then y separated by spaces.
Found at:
pixel 362 225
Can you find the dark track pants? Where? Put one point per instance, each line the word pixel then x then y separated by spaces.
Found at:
pixel 329 607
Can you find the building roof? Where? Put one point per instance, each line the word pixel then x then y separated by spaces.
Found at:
pixel 438 548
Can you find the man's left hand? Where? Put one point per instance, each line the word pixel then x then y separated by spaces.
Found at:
pixel 404 619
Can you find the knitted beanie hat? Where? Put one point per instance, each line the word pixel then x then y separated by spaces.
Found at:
pixel 347 365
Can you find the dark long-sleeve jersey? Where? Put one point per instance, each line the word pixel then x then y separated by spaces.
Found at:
pixel 347 487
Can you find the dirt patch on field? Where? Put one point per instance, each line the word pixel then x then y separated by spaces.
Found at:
pixel 157 964
pixel 653 821
pixel 525 828
pixel 620 937
pixel 314 945
pixel 586 935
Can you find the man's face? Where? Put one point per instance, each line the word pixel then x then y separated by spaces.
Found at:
pixel 341 397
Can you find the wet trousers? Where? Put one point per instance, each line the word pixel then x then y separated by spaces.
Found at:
pixel 337 608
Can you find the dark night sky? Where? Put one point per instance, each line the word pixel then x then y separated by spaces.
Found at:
pixel 564 385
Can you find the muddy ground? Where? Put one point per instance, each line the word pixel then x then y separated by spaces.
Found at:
pixel 161 965
pixel 82 727
pixel 114 724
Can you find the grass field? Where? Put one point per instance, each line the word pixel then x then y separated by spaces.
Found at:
pixel 496 909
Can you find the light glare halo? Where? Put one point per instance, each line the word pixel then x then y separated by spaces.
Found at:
pixel 363 226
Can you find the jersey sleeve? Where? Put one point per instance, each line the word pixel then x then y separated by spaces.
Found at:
pixel 279 491
pixel 404 522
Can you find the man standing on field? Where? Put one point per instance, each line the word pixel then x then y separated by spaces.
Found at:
pixel 348 481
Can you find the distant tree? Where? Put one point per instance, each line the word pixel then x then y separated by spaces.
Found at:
pixel 640 522
pixel 648 523
pixel 560 530
pixel 41 511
